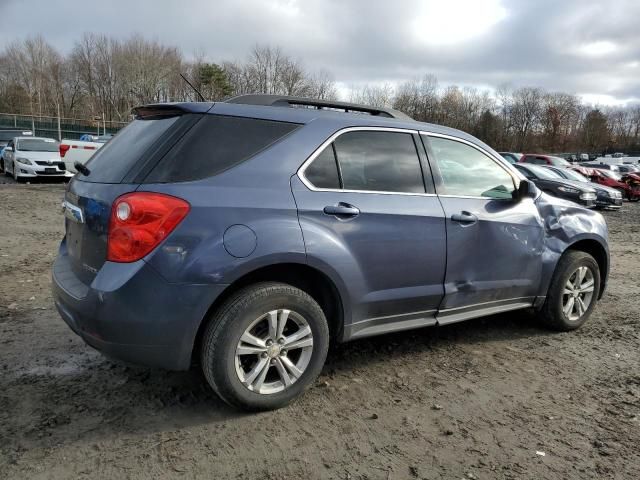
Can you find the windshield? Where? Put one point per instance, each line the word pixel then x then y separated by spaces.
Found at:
pixel 559 162
pixel 610 174
pixel 37 145
pixel 543 173
pixel 573 175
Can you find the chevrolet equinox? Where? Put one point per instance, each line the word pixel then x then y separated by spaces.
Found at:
pixel 245 235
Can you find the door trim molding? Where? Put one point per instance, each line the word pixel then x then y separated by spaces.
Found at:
pixel 458 314
pixel 428 318
pixel 389 323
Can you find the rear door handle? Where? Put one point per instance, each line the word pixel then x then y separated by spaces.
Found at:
pixel 341 210
pixel 464 217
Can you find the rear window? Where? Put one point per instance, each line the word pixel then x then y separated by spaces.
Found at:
pixel 215 144
pixel 112 162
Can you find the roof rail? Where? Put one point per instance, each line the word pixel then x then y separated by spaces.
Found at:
pixel 287 101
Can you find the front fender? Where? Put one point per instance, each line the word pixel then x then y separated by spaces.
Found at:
pixel 566 224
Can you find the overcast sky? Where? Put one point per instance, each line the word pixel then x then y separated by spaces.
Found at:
pixel 587 47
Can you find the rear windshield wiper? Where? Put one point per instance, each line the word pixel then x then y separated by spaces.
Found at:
pixel 81 168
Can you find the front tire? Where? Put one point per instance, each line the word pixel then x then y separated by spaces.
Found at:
pixel 264 346
pixel 573 292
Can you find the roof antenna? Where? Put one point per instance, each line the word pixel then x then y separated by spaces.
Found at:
pixel 194 88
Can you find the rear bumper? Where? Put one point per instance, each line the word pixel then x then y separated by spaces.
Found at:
pixel 131 313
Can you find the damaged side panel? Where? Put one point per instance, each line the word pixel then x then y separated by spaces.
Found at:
pixel 567 225
pixel 504 260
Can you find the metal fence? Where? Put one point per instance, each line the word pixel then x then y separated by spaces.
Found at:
pixel 59 128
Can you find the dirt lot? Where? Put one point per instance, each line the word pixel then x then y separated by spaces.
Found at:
pixel 473 400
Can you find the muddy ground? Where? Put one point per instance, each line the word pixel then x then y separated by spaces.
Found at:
pixel 483 399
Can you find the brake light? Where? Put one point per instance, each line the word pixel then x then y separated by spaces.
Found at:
pixel 63 149
pixel 140 221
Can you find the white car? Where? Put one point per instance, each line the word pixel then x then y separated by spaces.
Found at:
pixel 32 157
pixel 72 151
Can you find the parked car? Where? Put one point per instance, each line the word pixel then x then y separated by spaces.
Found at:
pixel 87 137
pixel 511 157
pixel 628 169
pixel 5 137
pixel 607 197
pixel 537 159
pixel 601 165
pixel 31 157
pixel 72 151
pixel 628 185
pixel 553 184
pixel 245 235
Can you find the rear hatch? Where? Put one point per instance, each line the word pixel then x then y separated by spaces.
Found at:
pixel 117 168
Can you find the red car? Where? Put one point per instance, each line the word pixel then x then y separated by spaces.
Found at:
pixel 538 159
pixel 628 184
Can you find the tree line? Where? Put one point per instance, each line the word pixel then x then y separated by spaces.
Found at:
pixel 105 76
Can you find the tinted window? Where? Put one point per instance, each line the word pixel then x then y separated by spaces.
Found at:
pixel 323 171
pixel 466 171
pixel 217 143
pixel 379 161
pixel 113 161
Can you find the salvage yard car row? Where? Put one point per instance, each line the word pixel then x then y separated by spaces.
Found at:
pixel 24 156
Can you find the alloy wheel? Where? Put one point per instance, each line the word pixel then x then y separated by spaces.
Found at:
pixel 274 351
pixel 578 293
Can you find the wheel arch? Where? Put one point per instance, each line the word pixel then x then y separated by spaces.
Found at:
pixel 308 279
pixel 599 252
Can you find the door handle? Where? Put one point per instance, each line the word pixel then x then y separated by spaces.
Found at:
pixel 341 210
pixel 464 217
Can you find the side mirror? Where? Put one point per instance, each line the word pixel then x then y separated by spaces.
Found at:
pixel 526 189
pixel 8 149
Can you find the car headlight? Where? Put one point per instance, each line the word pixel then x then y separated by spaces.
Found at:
pixel 24 161
pixel 587 196
pixel 615 194
pixel 569 190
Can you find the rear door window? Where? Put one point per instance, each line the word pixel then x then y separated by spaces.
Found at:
pixel 116 158
pixel 215 144
pixel 379 161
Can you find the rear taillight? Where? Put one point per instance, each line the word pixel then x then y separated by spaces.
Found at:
pixel 63 149
pixel 139 222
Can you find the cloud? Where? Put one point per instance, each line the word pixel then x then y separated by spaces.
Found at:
pixel 587 47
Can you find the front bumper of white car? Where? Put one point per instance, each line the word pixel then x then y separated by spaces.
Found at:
pixel 42 169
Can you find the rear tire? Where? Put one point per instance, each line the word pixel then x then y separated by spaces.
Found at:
pixel 573 292
pixel 255 331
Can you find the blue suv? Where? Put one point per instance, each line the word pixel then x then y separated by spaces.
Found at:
pixel 246 235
